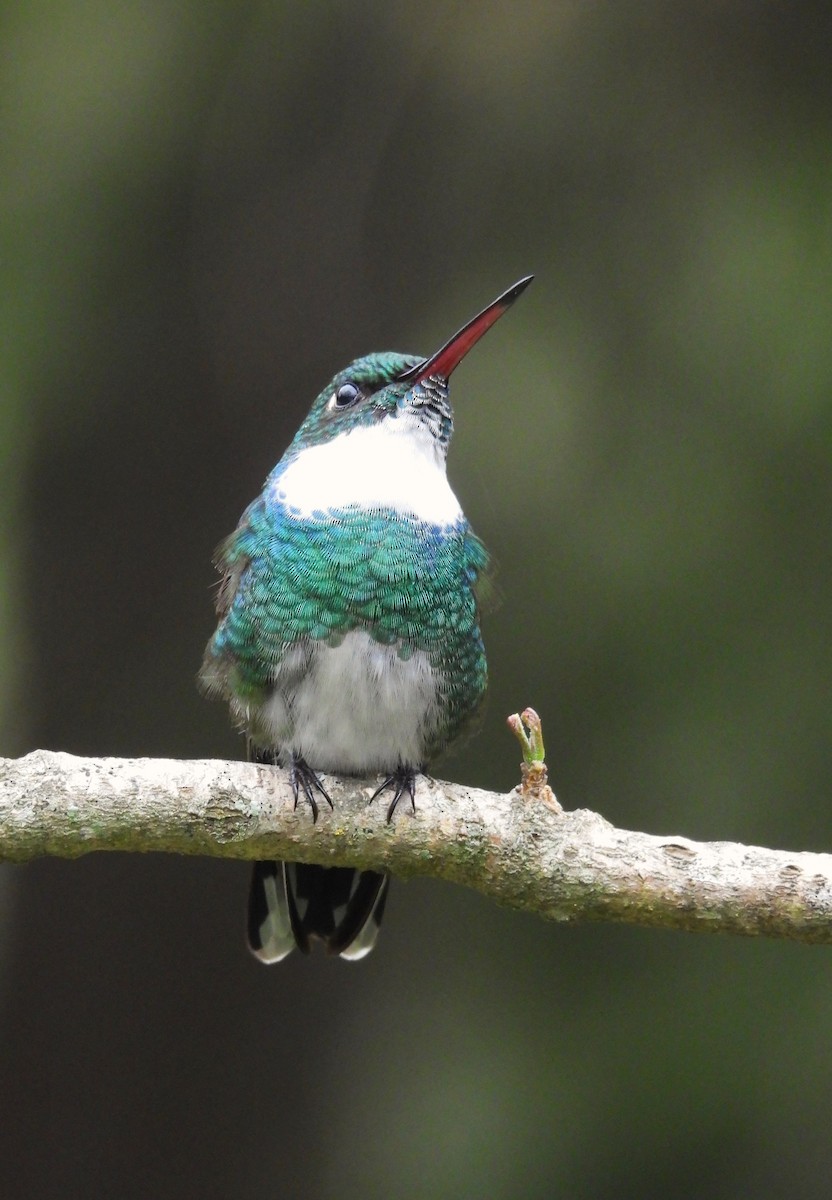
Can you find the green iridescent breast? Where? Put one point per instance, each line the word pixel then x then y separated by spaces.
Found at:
pixel 292 579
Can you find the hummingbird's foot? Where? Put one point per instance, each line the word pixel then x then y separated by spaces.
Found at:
pixel 402 780
pixel 303 779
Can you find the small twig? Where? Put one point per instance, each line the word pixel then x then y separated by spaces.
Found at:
pixel 534 774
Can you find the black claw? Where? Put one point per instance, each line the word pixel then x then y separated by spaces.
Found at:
pixel 304 779
pixel 402 780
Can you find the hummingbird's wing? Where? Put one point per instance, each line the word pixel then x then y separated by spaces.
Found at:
pixel 236 637
pixel 231 560
pixel 482 571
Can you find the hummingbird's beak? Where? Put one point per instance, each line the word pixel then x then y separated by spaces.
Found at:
pixel 452 353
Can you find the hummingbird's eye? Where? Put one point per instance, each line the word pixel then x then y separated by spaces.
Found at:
pixel 345 396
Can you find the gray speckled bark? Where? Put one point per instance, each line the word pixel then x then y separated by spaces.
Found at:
pixel 569 866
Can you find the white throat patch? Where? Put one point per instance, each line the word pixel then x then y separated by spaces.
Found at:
pixel 389 465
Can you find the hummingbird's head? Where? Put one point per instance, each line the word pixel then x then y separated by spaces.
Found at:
pixel 380 389
pixel 406 393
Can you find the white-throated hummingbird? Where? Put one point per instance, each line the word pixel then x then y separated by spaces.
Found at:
pixel 349 624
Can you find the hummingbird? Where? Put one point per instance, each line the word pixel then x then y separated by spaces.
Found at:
pixel 349 610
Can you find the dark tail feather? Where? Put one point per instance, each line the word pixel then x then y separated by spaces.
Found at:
pixel 271 930
pixel 290 904
pixel 340 906
pixel 365 937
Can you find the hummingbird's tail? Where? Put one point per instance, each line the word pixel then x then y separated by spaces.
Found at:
pixel 290 904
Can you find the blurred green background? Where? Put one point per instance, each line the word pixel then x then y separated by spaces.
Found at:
pixel 207 209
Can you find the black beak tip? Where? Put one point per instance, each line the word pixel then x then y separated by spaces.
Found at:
pixel 517 289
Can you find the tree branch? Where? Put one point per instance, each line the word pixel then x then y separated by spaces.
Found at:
pixel 571 866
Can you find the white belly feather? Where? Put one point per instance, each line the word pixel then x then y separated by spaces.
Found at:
pixel 359 708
